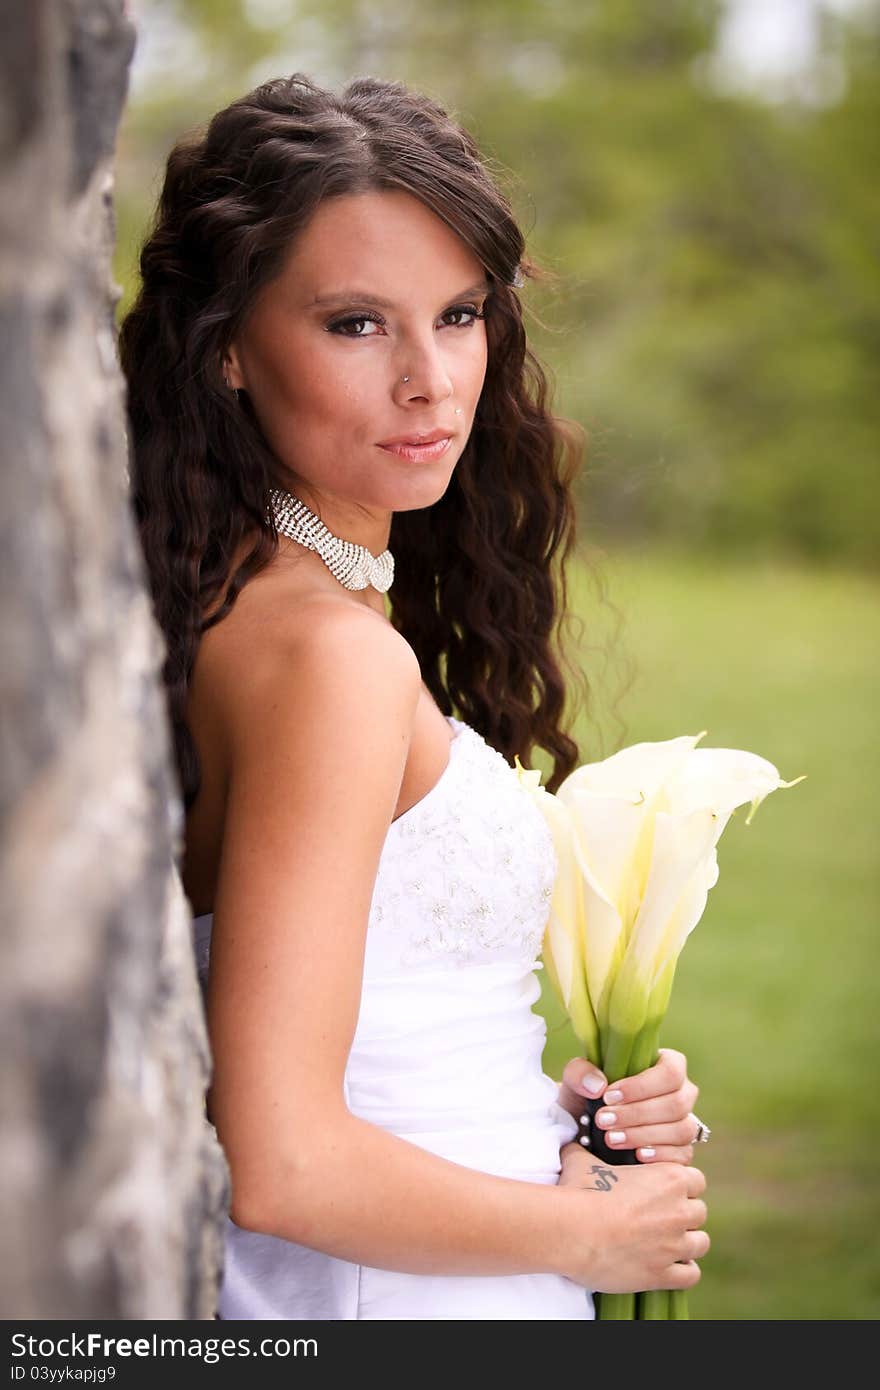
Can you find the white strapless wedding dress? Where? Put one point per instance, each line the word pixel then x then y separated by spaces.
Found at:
pixel 447 1052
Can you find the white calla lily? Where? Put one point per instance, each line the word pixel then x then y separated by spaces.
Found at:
pixel 564 935
pixel 637 773
pixel 607 832
pixel 723 779
pixel 635 838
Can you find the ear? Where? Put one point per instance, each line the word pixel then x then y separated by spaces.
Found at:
pixel 230 368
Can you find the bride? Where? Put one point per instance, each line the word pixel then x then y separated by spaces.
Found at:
pixel 352 498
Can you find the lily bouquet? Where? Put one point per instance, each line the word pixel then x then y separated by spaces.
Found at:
pixel 635 839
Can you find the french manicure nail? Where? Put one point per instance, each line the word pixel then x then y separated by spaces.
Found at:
pixel 612 1097
pixel 607 1119
pixel 647 1153
pixel 593 1085
pixel 617 1136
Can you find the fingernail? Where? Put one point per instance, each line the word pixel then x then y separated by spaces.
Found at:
pixel 617 1136
pixel 647 1153
pixel 606 1119
pixel 612 1097
pixel 592 1085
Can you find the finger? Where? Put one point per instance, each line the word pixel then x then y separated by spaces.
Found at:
pixel 678 1135
pixel 582 1077
pixel 695 1182
pixel 695 1245
pixel 660 1110
pixel 681 1276
pixel 696 1213
pixel 665 1153
pixel 669 1073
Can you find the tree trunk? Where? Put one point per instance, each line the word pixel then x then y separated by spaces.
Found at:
pixel 112 1184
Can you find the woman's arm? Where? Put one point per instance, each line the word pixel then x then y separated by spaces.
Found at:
pixel 317 733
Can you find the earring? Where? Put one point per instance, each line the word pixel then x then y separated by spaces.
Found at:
pixel 234 389
pixel 406 378
pixel 458 410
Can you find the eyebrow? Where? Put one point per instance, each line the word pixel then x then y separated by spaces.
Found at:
pixel 364 297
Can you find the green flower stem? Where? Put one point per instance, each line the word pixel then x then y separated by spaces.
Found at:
pixel 625 1055
pixel 580 1011
pixel 678 1304
pixel 659 1305
pixel 616 1307
pixel 644 1052
pixel 616 1050
pixel 654 1305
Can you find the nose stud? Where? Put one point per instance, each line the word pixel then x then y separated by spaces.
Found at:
pixel 457 408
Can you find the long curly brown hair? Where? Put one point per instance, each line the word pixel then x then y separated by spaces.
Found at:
pixel 480 588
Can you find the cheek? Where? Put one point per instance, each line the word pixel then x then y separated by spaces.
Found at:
pixel 293 382
pixel 478 367
pixel 335 384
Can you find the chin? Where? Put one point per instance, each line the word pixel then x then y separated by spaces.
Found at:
pixel 424 491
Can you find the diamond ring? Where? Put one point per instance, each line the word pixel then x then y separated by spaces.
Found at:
pixel 703 1132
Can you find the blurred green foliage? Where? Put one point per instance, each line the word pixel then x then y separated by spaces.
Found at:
pixel 714 320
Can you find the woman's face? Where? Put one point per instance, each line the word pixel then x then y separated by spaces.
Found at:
pixel 376 287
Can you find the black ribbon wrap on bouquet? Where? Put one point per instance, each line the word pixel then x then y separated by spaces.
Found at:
pixel 588 1129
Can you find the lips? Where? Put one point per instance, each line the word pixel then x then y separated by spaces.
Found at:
pixel 420 448
pixel 418 438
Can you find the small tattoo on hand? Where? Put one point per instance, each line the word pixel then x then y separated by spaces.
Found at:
pixel 604 1178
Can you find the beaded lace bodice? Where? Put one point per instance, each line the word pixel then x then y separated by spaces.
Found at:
pixel 466 874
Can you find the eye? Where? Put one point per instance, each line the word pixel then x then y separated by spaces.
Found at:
pixel 341 324
pixel 471 310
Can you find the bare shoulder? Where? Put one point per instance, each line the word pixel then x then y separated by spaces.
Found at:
pixel 326 662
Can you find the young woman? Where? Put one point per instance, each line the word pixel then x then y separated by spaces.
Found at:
pixel 330 390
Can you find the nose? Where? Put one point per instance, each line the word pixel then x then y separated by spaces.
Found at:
pixel 422 373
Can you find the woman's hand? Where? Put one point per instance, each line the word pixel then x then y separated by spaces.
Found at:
pixel 651 1111
pixel 628 1228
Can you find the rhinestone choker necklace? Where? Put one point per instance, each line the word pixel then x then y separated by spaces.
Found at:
pixel 353 565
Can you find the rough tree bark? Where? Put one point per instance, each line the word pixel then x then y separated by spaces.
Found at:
pixel 112 1183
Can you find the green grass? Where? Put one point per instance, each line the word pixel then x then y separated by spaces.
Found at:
pixel 775 1000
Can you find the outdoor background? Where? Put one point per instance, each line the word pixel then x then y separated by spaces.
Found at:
pixel 701 180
